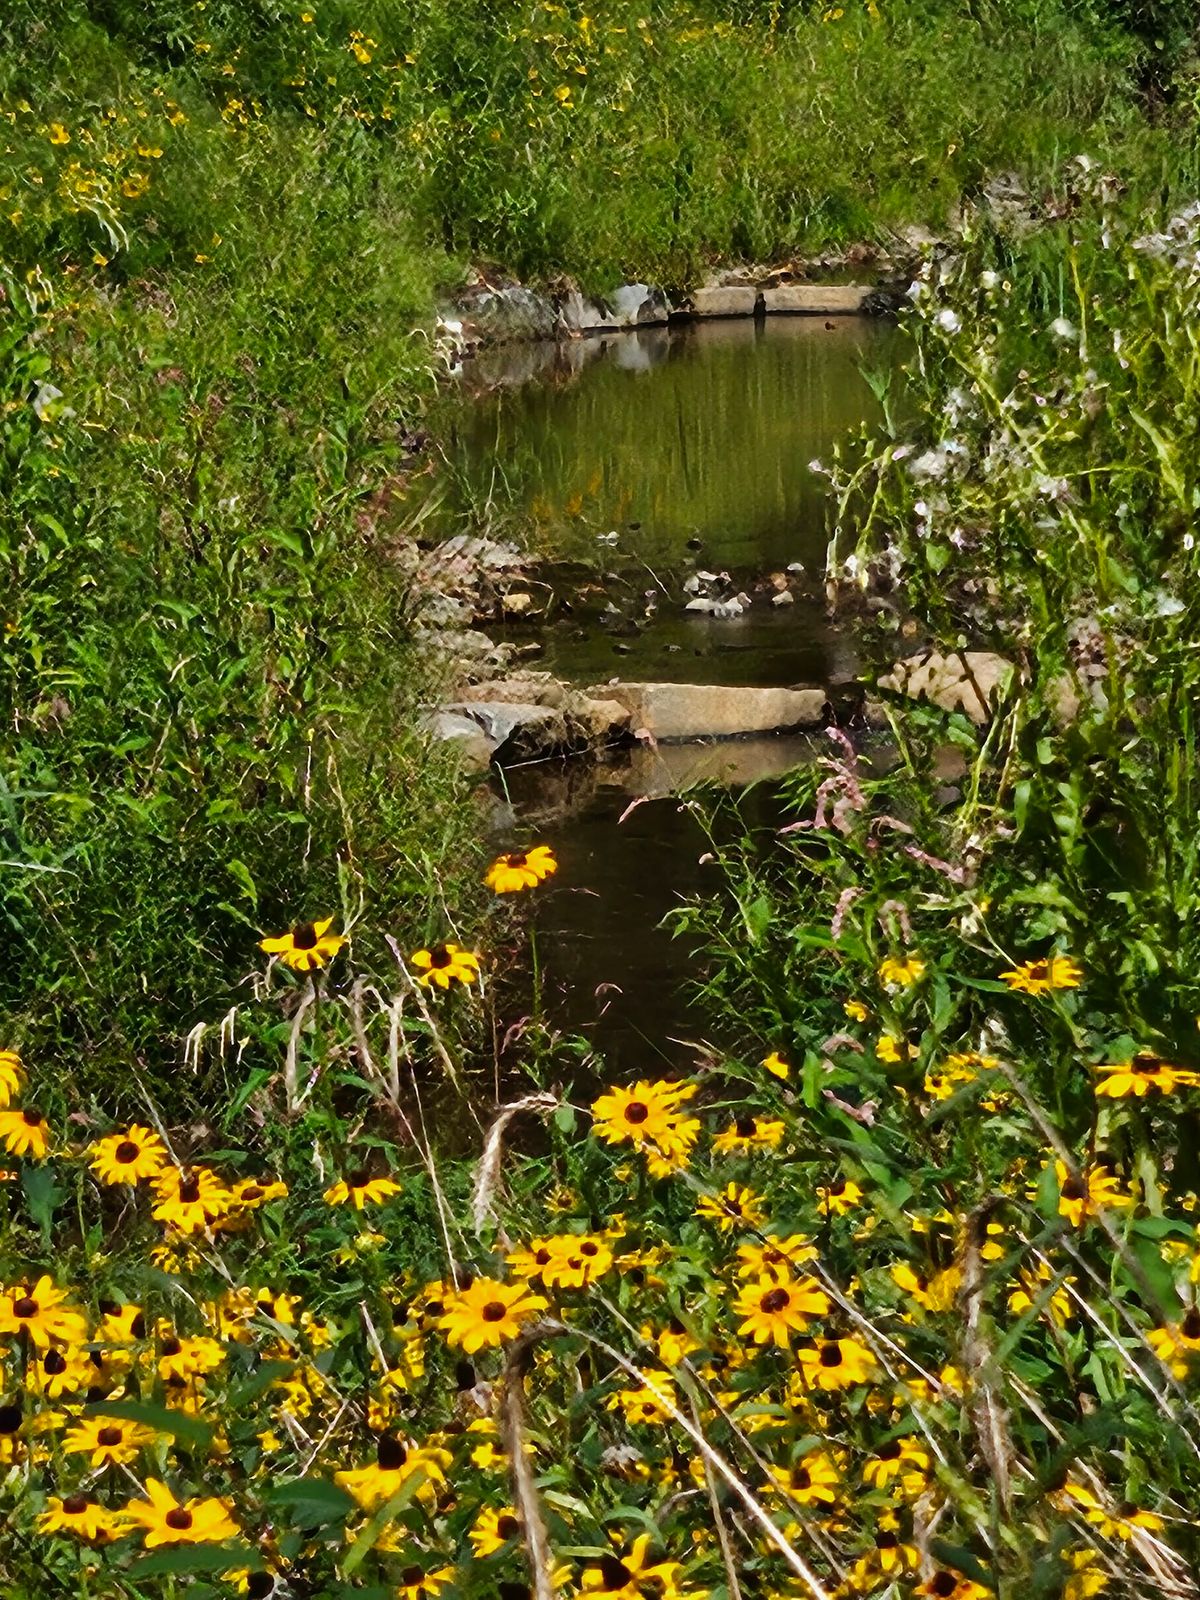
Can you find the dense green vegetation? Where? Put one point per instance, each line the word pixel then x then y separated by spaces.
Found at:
pixel 899 1299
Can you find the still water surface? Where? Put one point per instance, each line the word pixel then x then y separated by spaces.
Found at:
pixel 692 447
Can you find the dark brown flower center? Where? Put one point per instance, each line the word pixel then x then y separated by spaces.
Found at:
pixel 26 1306
pixel 1145 1062
pixel 494 1311
pixel 884 1540
pixel 838 1186
pixel 33 1119
pixel 109 1437
pixel 543 1258
pixel 745 1127
pixel 801 1478
pixel 1039 971
pixel 615 1573
pixel 1073 1189
pixel 439 956
pixel 774 1301
pixel 637 1112
pixel 508 1527
pixel 516 858
pixel 138 1326
pixel 76 1504
pixel 587 1248
pixel 944 1583
pixel 831 1355
pixel 179 1518
pixel 10 1419
pixel 889 1451
pixel 189 1191
pixel 126 1152
pixel 171 1346
pixel 390 1453
pixel 1190 1326
pixel 54 1363
pixel 252 1192
pixel 304 937
pixel 411 1576
pixel 359 1179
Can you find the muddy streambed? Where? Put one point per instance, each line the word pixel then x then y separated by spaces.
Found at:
pixel 649 468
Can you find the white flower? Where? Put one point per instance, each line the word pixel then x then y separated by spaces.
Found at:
pixel 1167 605
pixel 948 321
pixel 989 279
pixel 1063 329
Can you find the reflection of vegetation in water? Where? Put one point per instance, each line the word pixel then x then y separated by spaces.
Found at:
pixel 711 437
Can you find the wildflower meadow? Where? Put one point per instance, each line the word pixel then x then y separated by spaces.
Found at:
pixel 894 1291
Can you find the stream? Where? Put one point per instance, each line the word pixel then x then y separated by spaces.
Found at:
pixel 634 463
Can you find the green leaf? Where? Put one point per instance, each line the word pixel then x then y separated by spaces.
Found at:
pixel 43 1195
pixel 198 1558
pixel 240 873
pixel 175 1423
pixel 314 1502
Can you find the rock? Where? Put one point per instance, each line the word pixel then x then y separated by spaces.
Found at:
pixel 516 604
pixel 639 305
pixel 511 313
pixel 717 608
pixel 785 597
pixel 816 299
pixel 680 711
pixel 965 680
pixel 464 733
pixel 515 732
pixel 725 301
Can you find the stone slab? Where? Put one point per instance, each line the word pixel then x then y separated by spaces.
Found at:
pixel 672 712
pixel 733 300
pixel 816 299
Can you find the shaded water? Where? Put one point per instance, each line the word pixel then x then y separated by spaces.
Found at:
pixel 692 446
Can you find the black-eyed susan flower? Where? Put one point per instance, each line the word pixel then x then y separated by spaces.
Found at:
pixel 1040 977
pixel 840 1196
pixel 856 1010
pixel 772 1310
pixel 889 1047
pixel 638 1115
pixel 1087 1575
pixel 749 1133
pixel 673 1343
pixel 418 1584
pixel 1081 1195
pixel 577 1260
pixel 902 1462
pixel 493 1530
pixel 647 1404
pixel 889 1557
pixel 128 1157
pixel 1177 1345
pixel 306 947
pixel 777 1066
pixel 444 964
pixel 166 1520
pixel 190 1199
pixel 900 972
pixel 12 1077
pixel 946 1584
pixel 108 1441
pixel 634 1575
pixel 78 1515
pixel 814 1479
pixel 360 1189
pixel 488 1313
pixel 530 1261
pixel 934 1292
pixel 396 1464
pixel 774 1257
pixel 521 869
pixel 25 1133
pixel 835 1363
pixel 187 1358
pixel 1143 1074
pixel 60 1372
pixel 1030 1288
pixel 734 1206
pixel 249 1194
pixel 120 1324
pixel 42 1314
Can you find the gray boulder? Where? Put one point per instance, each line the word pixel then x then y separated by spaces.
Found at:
pixel 679 711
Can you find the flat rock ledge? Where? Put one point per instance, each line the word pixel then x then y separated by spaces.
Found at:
pixel 532 716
